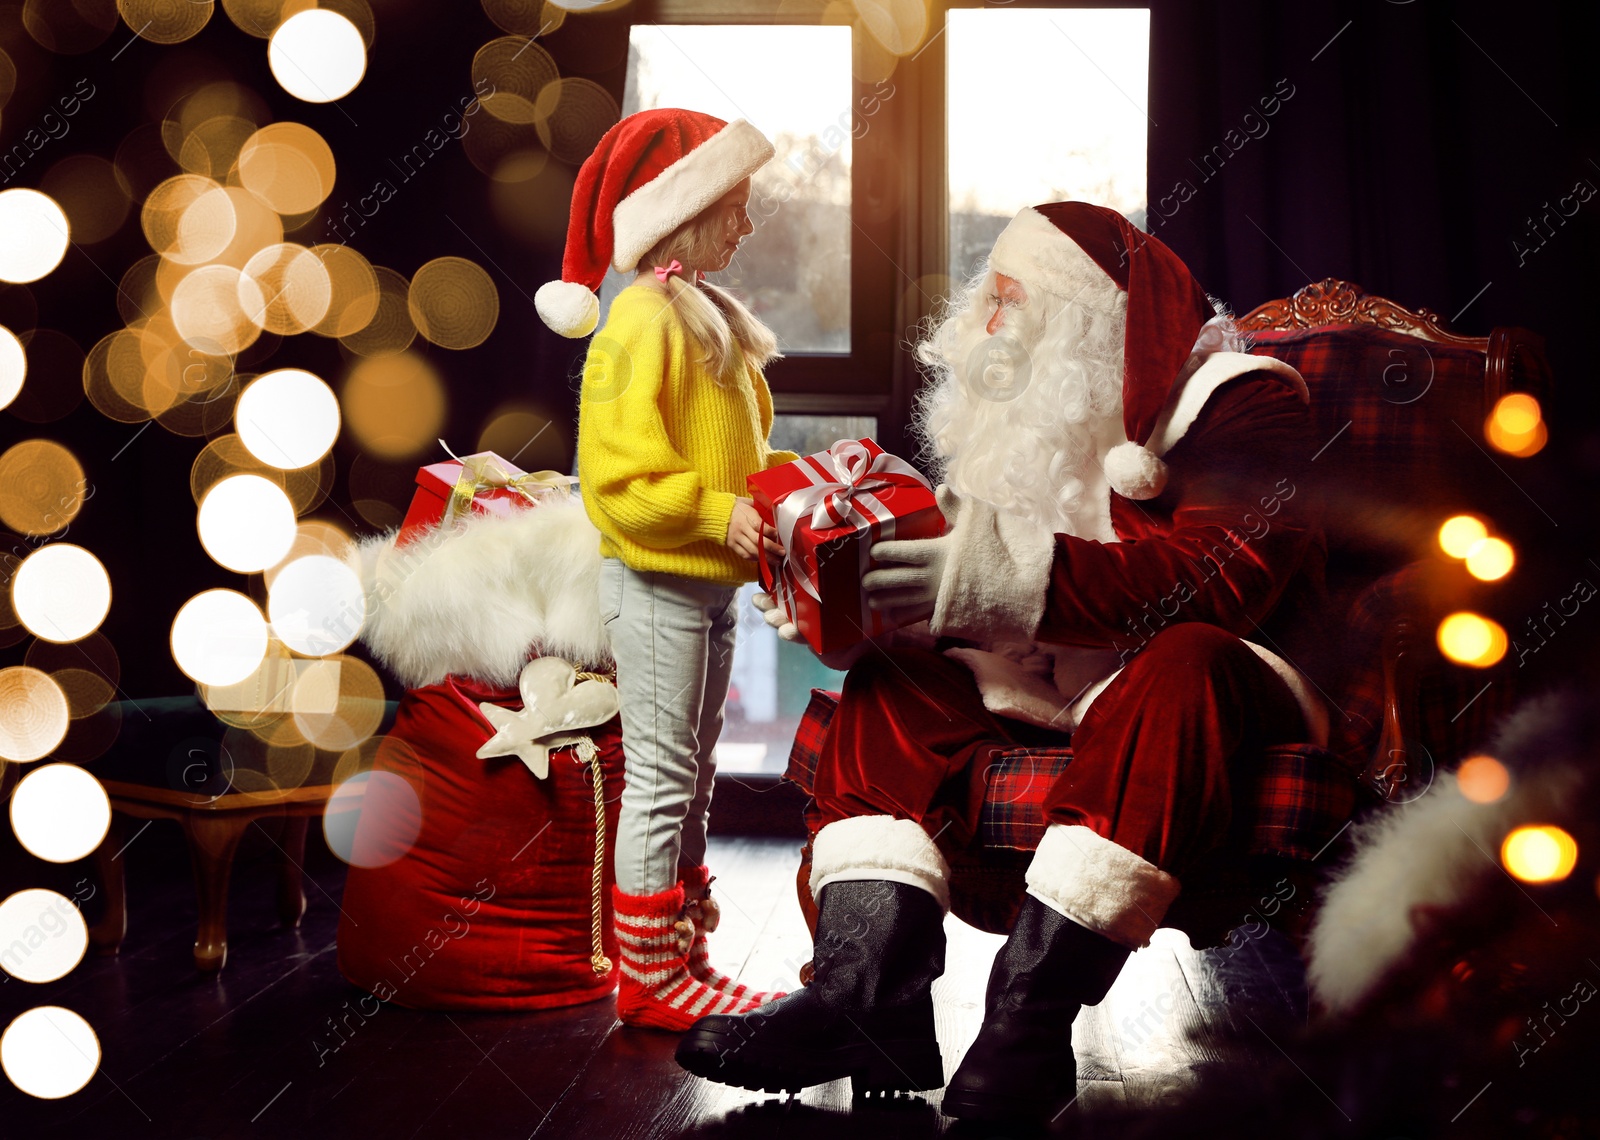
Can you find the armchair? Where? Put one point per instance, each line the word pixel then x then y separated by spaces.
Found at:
pixel 1399 401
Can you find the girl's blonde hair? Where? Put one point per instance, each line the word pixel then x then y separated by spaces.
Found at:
pixel 714 317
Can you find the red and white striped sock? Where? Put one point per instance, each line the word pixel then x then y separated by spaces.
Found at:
pixel 656 988
pixel 703 911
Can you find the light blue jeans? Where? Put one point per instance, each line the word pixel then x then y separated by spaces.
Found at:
pixel 673 641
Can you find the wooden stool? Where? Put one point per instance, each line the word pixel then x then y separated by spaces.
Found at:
pixel 213 828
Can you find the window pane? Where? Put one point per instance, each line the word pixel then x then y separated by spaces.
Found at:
pixel 794 83
pixel 1045 105
pixel 772 678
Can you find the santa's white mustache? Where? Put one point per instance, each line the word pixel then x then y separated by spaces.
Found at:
pixel 998 368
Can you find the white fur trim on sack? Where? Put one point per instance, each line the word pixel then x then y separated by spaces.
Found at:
pixel 867 847
pixel 684 189
pixel 995 577
pixel 1034 251
pixel 1100 884
pixel 478 600
pixel 567 307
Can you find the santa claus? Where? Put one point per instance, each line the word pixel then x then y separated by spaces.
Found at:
pixel 1121 482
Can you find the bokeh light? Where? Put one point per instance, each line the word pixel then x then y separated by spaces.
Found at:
pixel 525 435
pixel 1539 853
pixel 261 693
pixel 1490 559
pixel 394 405
pixel 33 235
pixel 1516 425
pixel 50 931
pixel 163 22
pixel 288 166
pixel 13 366
pixel 390 327
pixel 213 309
pixel 1469 639
pixel 337 702
pixel 219 637
pixel 288 289
pixel 571 115
pixel 1483 779
pixel 42 487
pixel 1458 533
pixel 316 605
pixel 517 70
pixel 227 455
pixel 69 29
pixel 61 592
pixel 287 418
pixel 353 291
pixel 92 193
pixel 317 55
pixel 33 714
pixel 372 819
pixel 60 813
pixel 49 1052
pixel 525 17
pixel 246 523
pixel 87 671
pixel 899 25
pixel 453 302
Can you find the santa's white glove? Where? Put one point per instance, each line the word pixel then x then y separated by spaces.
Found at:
pixel 772 613
pixel 906 583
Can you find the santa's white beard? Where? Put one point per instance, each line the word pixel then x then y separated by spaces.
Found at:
pixel 1013 420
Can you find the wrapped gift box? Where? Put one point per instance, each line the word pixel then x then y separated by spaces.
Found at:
pixel 483 483
pixel 829 508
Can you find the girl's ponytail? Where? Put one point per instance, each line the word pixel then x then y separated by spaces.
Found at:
pixel 715 318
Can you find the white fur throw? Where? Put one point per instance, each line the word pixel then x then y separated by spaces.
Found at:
pixel 479 600
pixel 879 847
pixel 1430 853
pixel 1100 884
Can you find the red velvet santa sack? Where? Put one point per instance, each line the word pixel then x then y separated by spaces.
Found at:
pixel 470 885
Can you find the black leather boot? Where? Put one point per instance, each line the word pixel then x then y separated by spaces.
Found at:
pixel 1021 1067
pixel 867 1014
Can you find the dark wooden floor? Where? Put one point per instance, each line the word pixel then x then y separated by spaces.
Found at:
pixel 239 1055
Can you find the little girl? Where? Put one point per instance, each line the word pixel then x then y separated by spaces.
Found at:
pixel 674 415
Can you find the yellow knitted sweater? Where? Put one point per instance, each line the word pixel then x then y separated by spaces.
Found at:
pixel 663 446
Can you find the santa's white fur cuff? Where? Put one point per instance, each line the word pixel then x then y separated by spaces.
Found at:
pixel 995 576
pixel 1100 884
pixel 869 847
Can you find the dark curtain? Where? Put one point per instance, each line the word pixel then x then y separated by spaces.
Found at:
pixel 1429 152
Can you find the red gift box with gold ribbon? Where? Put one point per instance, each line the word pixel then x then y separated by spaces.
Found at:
pixel 483 483
pixel 829 508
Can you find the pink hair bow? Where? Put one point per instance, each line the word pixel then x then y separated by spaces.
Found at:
pixel 665 271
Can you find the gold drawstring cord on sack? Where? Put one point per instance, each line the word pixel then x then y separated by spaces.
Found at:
pixel 598 961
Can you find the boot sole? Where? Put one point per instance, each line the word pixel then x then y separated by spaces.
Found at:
pixel 1000 1110
pixel 880 1068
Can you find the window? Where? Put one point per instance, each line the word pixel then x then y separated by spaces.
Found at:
pixel 793 83
pixel 1043 105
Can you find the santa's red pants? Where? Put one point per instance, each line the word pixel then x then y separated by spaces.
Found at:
pixel 1152 760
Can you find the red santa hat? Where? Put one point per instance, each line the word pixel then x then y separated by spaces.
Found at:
pixel 649 174
pixel 1060 246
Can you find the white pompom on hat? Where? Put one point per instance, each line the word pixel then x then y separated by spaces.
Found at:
pixel 649 174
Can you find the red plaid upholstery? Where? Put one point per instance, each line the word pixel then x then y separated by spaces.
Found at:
pixel 1385 400
pixel 1300 798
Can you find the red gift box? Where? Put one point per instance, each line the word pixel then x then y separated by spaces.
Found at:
pixel 829 508
pixel 475 484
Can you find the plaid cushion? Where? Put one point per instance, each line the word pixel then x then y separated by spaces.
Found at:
pixel 1299 799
